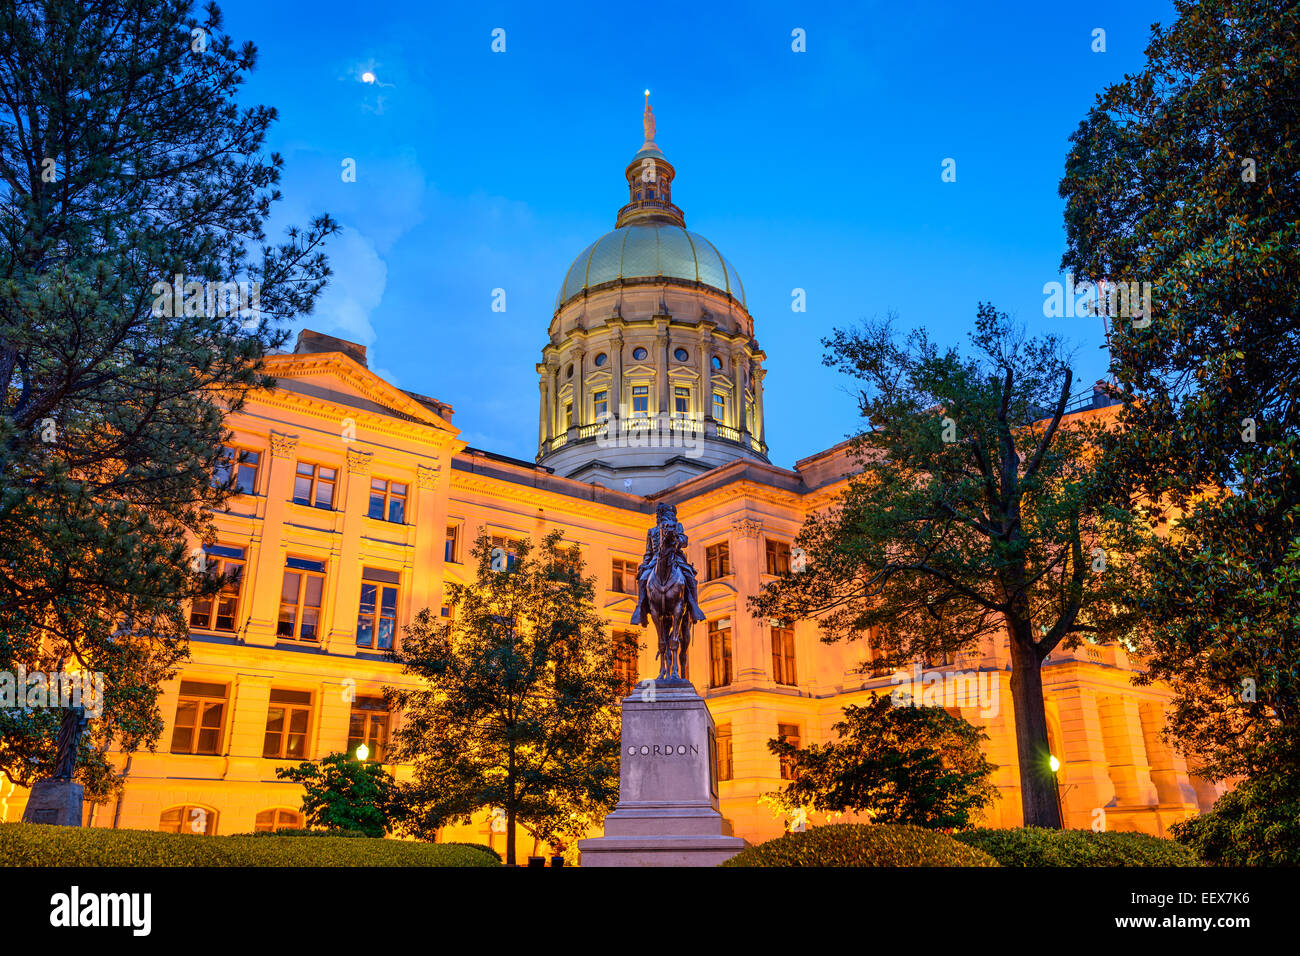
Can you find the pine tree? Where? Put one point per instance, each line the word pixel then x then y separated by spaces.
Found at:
pixel 126 169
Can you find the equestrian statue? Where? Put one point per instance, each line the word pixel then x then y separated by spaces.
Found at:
pixel 666 591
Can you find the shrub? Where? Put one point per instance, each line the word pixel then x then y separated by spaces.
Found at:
pixel 481 847
pixel 33 844
pixel 1035 846
pixel 862 844
pixel 297 832
pixel 1257 824
pixel 341 793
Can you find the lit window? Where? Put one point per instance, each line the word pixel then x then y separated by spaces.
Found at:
pixel 681 401
pixel 510 546
pixel 626 647
pixel 717 559
pixel 377 616
pixel 600 404
pixel 368 725
pixel 219 612
pixel 451 549
pixel 723 738
pixel 720 653
pixel 778 557
pixel 287 721
pixel 640 399
pixel 200 710
pixel 790 734
pixel 279 818
pixel 719 407
pixel 783 656
pixel 387 500
pixel 623 576
pixel 237 469
pixel 314 485
pixel 188 819
pixel 300 599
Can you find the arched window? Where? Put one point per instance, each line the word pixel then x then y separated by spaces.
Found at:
pixel 188 818
pixel 278 818
pixel 717 364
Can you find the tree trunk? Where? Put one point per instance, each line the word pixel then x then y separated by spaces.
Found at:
pixel 510 836
pixel 1038 795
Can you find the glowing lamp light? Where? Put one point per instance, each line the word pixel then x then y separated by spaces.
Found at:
pixel 647 92
pixel 363 752
pixel 367 77
pixel 1053 763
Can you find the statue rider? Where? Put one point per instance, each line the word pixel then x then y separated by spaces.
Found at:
pixel 665 517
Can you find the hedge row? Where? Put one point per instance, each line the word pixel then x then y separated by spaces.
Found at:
pixel 33 844
pixel 1034 846
pixel 861 844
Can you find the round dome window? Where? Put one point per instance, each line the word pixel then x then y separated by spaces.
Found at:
pixel 681 355
pixel 601 359
pixel 639 354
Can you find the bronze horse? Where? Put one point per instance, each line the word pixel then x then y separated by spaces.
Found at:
pixel 666 597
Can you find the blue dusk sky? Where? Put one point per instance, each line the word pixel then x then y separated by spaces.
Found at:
pixel 818 170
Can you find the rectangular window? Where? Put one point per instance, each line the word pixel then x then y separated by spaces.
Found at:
pixel 622 577
pixel 790 734
pixel 451 550
pixel 369 725
pixel 220 612
pixel 717 559
pixel 778 557
pixel 314 485
pixel 237 469
pixel 387 500
pixel 300 599
pixel 200 713
pixel 626 659
pixel 720 653
pixel 377 617
pixel 681 401
pixel 287 722
pixel 783 656
pixel 723 736
pixel 719 407
pixel 510 546
pixel 568 414
pixel 640 400
pixel 600 404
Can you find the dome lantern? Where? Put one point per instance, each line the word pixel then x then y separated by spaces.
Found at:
pixel 649 182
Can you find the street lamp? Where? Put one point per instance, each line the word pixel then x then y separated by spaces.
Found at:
pixel 1055 765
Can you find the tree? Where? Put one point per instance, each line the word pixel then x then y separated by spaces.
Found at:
pixel 521 706
pixel 343 793
pixel 125 163
pixel 902 764
pixel 1186 175
pixel 970 520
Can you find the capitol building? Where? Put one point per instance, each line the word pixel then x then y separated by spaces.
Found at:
pixel 358 503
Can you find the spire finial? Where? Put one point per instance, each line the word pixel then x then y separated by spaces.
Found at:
pixel 649 122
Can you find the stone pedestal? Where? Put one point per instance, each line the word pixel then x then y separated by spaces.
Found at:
pixel 667 813
pixel 55 801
